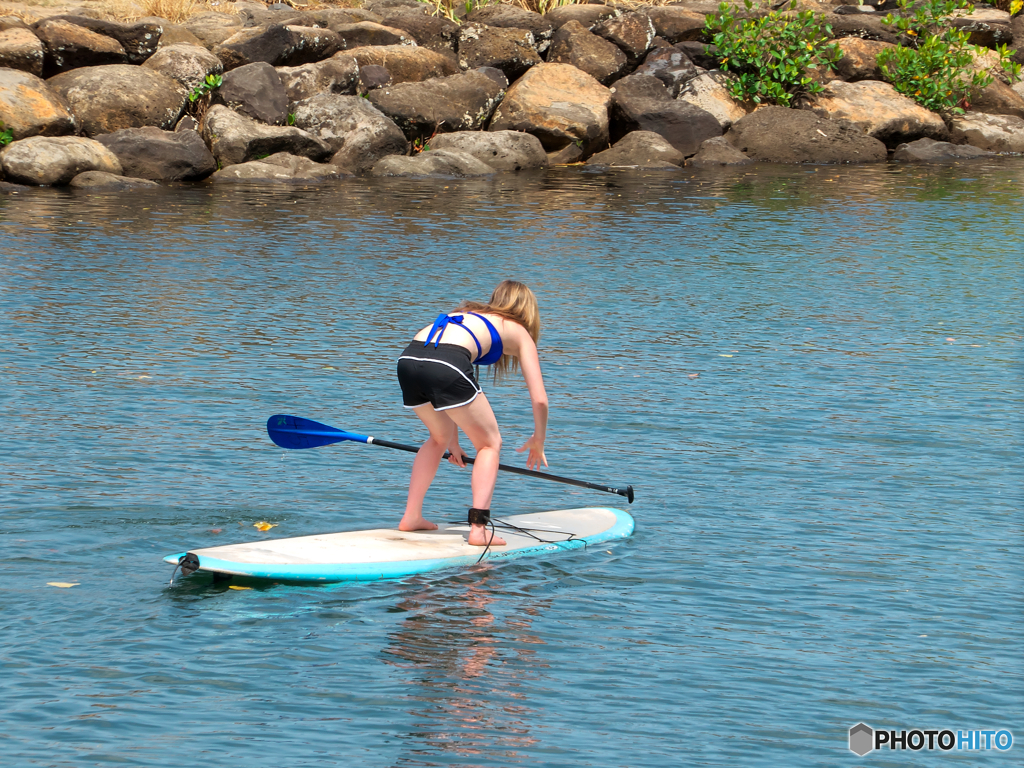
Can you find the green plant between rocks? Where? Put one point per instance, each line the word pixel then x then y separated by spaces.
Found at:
pixel 771 54
pixel 935 66
pixel 6 135
pixel 210 84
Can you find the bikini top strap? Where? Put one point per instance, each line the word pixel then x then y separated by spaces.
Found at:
pixel 495 336
pixel 442 322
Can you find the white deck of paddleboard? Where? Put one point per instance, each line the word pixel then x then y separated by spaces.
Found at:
pixel 388 545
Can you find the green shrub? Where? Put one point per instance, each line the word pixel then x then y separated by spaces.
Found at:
pixel 211 83
pixel 771 55
pixel 6 135
pixel 935 64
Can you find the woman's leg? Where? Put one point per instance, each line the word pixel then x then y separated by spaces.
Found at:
pixel 424 467
pixel 478 423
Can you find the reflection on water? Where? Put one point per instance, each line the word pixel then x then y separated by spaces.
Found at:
pixel 811 376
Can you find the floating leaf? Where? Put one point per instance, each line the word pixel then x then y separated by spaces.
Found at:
pixel 725 355
pixel 233 586
pixel 692 375
pixel 950 338
pixel 63 584
pixel 262 525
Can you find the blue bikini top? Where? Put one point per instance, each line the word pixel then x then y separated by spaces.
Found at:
pixel 493 354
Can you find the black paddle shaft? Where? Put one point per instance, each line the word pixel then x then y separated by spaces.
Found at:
pixel 627 491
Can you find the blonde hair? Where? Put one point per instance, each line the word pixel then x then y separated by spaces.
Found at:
pixel 513 301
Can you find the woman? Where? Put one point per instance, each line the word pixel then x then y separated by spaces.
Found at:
pixel 438 383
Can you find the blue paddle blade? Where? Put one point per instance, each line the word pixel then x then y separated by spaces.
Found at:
pixel 296 432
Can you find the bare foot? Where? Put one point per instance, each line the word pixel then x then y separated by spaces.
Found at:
pixel 416 524
pixel 480 536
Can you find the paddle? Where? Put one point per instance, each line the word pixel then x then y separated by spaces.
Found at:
pixel 296 432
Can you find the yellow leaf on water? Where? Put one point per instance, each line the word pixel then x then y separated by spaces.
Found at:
pixel 232 586
pixel 264 526
pixel 725 355
pixel 62 584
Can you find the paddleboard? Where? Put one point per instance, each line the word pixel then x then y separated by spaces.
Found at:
pixel 388 553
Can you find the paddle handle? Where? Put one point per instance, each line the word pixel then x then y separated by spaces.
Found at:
pixel 627 491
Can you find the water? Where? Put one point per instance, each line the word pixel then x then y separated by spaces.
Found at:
pixel 812 376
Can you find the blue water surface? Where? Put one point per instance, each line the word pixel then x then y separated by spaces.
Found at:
pixel 812 376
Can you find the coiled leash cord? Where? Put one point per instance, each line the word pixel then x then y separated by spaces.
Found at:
pixel 483 517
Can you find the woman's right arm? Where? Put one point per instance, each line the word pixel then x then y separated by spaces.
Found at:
pixel 529 362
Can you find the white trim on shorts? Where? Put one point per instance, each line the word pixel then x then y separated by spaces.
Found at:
pixel 454 368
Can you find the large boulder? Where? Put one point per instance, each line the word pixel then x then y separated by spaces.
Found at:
pixel 781 135
pixel 462 102
pixel 358 133
pixel 859 59
pixel 338 74
pixel 997 98
pixel 365 33
pixel 109 181
pixel 280 45
pixel 501 150
pixel 988 27
pixel 214 28
pixel 280 167
pixel 575 44
pixel 254 90
pixel 558 104
pixel 513 17
pixel 878 110
pixel 21 49
pixel 670 65
pixel 188 64
pixel 676 24
pixel 434 32
pixel 234 138
pixel 173 34
pixel 718 152
pixel 108 98
pixel 931 151
pixel 150 153
pixel 69 46
pixel 642 103
pixel 511 50
pixel 587 15
pixel 710 91
pixel 632 32
pixel 441 162
pixel 995 133
pixel 55 160
pixel 407 64
pixel 640 149
pixel 28 107
pixel 139 41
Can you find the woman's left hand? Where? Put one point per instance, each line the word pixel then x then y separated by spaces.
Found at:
pixel 457 456
pixel 536 456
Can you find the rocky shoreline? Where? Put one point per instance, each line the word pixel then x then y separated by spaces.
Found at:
pixel 391 90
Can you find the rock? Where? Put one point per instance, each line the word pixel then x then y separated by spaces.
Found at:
pixel 998 98
pixel 255 14
pixel 513 51
pixel 640 149
pixel 575 44
pixel 373 76
pixel 407 64
pixel 865 26
pixel 859 60
pixel 188 64
pixel 559 105
pixel 513 17
pixel 108 98
pixel 642 103
pixel 781 135
pixel 878 110
pixel 931 151
pixel 357 132
pixel 587 15
pixel 439 162
pixel 280 167
pixel 632 32
pixel 28 107
pixel 702 55
pixel 433 32
pixel 710 91
pixel 280 46
pixel 994 133
pixel 20 49
pixel 717 152
pixel 501 150
pixel 55 160
pixel 254 90
pixel 988 27
pixel 671 66
pixel 338 74
pixel 187 123
pixel 139 41
pixel 495 74
pixel 214 28
pixel 69 46
pixel 367 33
pixel 383 6
pixel 676 24
pixel 328 16
pixel 150 153
pixel 462 102
pixel 234 138
pixel 103 180
pixel 12 22
pixel 570 155
pixel 173 34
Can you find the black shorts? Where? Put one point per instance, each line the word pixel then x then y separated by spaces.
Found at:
pixel 442 376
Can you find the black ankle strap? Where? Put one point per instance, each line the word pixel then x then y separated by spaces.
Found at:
pixel 479 516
